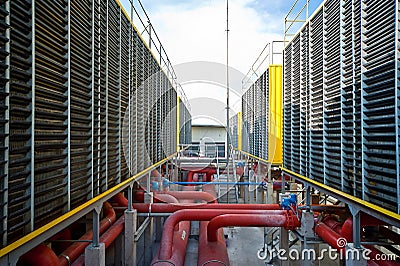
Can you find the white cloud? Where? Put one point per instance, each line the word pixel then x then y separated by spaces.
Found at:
pixel 195 31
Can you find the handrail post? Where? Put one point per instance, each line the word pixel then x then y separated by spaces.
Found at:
pixel 95 254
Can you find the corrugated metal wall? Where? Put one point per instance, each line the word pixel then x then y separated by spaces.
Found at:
pixel 185 136
pixel 255 110
pixel 73 73
pixel 341 99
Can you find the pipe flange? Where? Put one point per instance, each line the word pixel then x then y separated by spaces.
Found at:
pixel 67 259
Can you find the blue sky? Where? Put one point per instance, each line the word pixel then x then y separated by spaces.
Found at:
pixel 195 30
pixel 192 30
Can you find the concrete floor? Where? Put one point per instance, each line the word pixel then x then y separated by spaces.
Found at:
pixel 243 244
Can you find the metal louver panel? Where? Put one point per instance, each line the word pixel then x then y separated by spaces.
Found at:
pixel 70 71
pixel 125 79
pixel 304 102
pixel 51 105
pixel 379 103
pixel 316 98
pixel 113 94
pixel 287 108
pixel 80 102
pixel 352 95
pixel 295 103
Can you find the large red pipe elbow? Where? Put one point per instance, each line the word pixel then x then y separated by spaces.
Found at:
pixel 180 240
pixel 192 195
pixel 196 215
pixel 107 238
pixel 179 195
pixel 327 234
pixel 212 253
pixel 77 248
pixel 250 220
pixel 39 256
pixel 169 208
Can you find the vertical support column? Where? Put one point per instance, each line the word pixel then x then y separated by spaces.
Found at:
pixel 246 179
pixel 6 130
pixel 397 104
pixel 130 230
pixel 257 179
pixel 324 124
pixel 93 106
pixel 251 187
pixel 95 253
pixel 342 106
pixel 32 176
pixel 106 170
pixel 120 150
pixel 68 207
pixel 283 244
pixel 307 224
pixel 178 122
pixel 239 131
pixel 363 46
pixel 148 234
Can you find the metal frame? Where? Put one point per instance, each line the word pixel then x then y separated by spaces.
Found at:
pixel 12 252
pixel 355 203
pixel 66 113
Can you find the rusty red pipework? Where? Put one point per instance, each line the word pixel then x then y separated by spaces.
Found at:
pixel 211 253
pixel 107 238
pixel 197 215
pixel 286 219
pixel 180 195
pixel 331 230
pixel 39 256
pixel 169 208
pixel 76 249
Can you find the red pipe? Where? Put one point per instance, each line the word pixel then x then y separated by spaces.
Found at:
pixel 327 234
pixel 107 238
pixel 165 198
pixel 365 220
pixel 180 195
pixel 169 208
pixel 196 215
pixel 77 248
pixel 180 240
pixel 212 253
pixel 59 247
pixel 192 195
pixel 333 224
pixel 250 220
pixel 39 256
pixel 190 176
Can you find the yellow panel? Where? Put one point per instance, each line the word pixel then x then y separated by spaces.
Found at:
pixel 275 115
pixel 178 122
pixel 239 125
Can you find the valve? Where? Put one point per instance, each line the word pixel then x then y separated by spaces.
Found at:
pixel 154 185
pixel 165 182
pixel 289 203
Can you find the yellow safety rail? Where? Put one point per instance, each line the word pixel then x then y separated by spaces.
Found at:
pixel 385 215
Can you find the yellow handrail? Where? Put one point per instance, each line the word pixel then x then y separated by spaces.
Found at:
pixel 343 196
pixel 100 198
